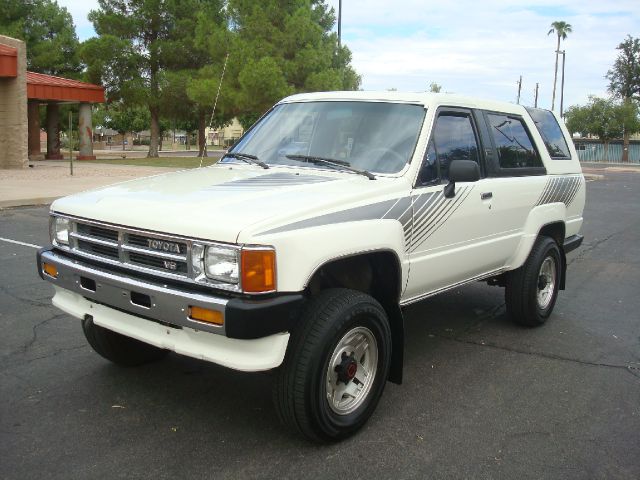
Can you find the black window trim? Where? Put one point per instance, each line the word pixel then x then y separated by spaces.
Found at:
pixel 461 111
pixel 494 160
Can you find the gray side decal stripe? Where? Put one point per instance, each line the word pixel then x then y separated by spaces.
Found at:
pixel 560 189
pixel 366 212
pixel 420 236
pixel 420 215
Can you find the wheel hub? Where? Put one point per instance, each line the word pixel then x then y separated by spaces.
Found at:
pixel 546 282
pixel 351 370
pixel 542 282
pixel 347 368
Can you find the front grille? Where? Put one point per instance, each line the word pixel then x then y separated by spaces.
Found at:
pixel 102 250
pixel 152 252
pixel 98 232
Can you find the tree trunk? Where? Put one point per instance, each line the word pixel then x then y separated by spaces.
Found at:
pixel 625 147
pixel 155 132
pixel 555 76
pixel 124 137
pixel 202 123
pixel 154 90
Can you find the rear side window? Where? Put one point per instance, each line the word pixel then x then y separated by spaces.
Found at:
pixel 512 141
pixel 551 133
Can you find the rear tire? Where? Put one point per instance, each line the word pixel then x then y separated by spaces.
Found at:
pixel 531 290
pixel 119 349
pixel 336 366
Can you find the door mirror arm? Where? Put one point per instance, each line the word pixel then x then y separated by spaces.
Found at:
pixel 461 171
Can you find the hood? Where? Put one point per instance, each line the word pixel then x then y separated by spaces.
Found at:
pixel 218 202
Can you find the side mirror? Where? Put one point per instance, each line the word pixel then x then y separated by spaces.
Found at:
pixel 461 171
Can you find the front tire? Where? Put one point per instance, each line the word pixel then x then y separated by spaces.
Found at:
pixel 119 349
pixel 336 366
pixel 531 290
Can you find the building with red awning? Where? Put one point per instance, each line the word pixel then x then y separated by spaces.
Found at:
pixel 21 95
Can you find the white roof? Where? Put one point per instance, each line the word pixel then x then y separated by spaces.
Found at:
pixel 421 98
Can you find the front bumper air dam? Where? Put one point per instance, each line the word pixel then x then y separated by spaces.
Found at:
pixel 261 325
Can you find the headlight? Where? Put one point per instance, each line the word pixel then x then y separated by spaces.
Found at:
pixel 252 268
pixel 59 230
pixel 221 264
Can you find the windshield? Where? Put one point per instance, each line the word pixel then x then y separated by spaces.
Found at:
pixel 377 137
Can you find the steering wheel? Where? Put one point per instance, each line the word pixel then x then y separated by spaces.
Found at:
pixel 384 151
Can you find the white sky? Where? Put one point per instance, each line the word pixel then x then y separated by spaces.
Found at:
pixel 473 47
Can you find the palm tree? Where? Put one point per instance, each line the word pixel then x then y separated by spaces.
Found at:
pixel 561 29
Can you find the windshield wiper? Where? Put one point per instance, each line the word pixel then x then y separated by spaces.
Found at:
pixel 246 157
pixel 332 162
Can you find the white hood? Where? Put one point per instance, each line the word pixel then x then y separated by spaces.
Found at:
pixel 218 202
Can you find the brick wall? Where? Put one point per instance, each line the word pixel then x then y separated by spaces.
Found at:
pixel 13 111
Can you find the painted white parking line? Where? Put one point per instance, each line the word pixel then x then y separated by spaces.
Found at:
pixel 8 240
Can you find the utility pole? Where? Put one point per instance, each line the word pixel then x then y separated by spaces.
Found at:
pixel 562 83
pixel 340 24
pixel 535 102
pixel 519 89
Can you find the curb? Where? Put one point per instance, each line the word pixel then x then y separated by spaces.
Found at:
pixel 27 202
pixel 592 176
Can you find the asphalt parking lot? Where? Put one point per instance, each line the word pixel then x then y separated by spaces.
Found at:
pixel 482 398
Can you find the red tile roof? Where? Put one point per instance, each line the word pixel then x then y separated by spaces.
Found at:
pixel 48 87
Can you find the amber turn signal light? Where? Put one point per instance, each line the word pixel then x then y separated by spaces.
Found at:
pixel 258 270
pixel 206 315
pixel 50 269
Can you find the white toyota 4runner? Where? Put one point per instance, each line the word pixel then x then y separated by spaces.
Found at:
pixel 298 250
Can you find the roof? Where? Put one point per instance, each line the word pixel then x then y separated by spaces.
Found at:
pixel 8 61
pixel 420 98
pixel 48 87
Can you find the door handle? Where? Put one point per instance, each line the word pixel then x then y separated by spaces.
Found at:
pixel 486 195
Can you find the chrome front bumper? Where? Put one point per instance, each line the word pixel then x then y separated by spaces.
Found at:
pixel 155 301
pixel 254 336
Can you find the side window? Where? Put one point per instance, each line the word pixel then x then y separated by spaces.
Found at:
pixel 515 148
pixel 551 133
pixel 453 138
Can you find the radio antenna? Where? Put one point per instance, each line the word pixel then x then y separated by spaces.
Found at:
pixel 215 104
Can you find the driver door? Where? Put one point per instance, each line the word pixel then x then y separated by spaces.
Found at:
pixel 450 237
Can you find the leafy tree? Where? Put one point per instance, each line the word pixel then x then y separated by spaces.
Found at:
pixel 200 60
pixel 624 79
pixel 435 88
pixel 562 30
pixel 279 48
pixel 128 56
pixel 125 119
pixel 49 34
pixel 603 118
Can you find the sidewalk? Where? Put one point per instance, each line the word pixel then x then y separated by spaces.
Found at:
pixel 596 167
pixel 49 180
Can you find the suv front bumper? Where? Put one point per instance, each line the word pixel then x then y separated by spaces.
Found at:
pixel 253 336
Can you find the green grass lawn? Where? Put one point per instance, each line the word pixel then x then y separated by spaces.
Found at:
pixel 175 162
